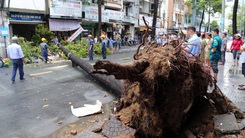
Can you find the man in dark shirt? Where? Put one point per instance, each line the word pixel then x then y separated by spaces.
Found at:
pixel 44 49
pixel 90 47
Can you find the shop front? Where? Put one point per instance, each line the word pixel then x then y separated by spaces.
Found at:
pixel 65 18
pixel 23 24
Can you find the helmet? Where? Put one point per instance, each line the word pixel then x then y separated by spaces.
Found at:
pixel 14 38
pixel 102 36
pixel 43 39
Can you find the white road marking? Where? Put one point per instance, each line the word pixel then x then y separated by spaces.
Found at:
pixel 40 73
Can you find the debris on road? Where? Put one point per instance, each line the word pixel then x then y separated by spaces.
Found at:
pixel 45 106
pixel 73 132
pixel 87 109
pixel 105 94
pixel 45 99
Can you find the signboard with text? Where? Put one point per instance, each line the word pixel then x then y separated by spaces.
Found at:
pixel 91 13
pixel 4 31
pixel 66 9
pixel 115 15
pixel 26 16
pixel 74 36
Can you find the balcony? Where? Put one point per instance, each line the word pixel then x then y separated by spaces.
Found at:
pixel 113 4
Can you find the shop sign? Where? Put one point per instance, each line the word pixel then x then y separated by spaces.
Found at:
pixel 4 31
pixel 91 13
pixel 64 9
pixel 115 15
pixel 26 16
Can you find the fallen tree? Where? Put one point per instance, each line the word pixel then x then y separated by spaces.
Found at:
pixel 164 91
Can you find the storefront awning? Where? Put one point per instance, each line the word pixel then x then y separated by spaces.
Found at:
pixel 63 25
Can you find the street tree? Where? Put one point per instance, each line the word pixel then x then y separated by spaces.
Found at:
pixel 209 6
pixel 240 19
pixel 214 24
pixel 99 2
pixel 234 17
pixel 156 3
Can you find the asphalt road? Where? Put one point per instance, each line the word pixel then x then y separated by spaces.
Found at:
pixel 22 112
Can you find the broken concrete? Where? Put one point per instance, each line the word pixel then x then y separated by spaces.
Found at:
pixel 242 124
pixel 116 128
pixel 226 124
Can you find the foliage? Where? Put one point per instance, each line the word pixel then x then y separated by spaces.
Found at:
pixel 7 63
pixel 80 49
pixel 29 49
pixel 42 32
pixel 214 24
pixel 240 19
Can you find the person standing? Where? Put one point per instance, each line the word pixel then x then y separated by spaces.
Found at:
pixel 164 40
pixel 223 47
pixel 235 47
pixel 103 46
pixel 203 44
pixel 56 40
pixel 242 86
pixel 149 39
pixel 90 47
pixel 44 50
pixel 111 42
pixel 215 51
pixel 16 55
pixel 207 48
pixel 193 46
pixel 96 39
pixel 159 41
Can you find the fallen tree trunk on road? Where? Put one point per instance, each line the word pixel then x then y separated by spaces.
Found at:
pixel 164 92
pixel 109 81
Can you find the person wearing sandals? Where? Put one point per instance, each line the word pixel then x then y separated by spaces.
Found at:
pixel 207 48
pixel 235 48
pixel 242 87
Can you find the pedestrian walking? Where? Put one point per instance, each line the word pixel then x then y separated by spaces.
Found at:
pixel 215 52
pixel 203 44
pixel 103 46
pixel 90 47
pixel 44 50
pixel 207 48
pixel 223 48
pixel 16 55
pixel 235 48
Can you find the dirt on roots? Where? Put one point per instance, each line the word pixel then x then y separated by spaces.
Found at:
pixel 165 93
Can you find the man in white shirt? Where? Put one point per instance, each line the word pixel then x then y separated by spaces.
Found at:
pixel 16 55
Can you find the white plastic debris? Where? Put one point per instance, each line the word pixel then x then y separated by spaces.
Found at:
pixel 88 109
pixel 210 88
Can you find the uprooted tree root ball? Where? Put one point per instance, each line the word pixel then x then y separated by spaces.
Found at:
pixel 163 87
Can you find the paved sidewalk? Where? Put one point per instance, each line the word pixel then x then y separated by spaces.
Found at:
pixel 228 80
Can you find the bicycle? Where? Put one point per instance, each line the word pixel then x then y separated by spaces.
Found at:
pixel 1 62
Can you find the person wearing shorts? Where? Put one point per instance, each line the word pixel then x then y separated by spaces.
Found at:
pixel 215 52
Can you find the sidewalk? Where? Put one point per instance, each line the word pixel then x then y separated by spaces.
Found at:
pixel 229 78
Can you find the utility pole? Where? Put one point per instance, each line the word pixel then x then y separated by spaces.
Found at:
pixel 194 13
pixel 99 18
pixel 223 16
pixel 156 3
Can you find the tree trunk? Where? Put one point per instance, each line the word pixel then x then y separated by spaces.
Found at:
pixel 156 3
pixel 209 14
pixel 234 17
pixel 200 26
pixel 99 18
pixel 109 81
